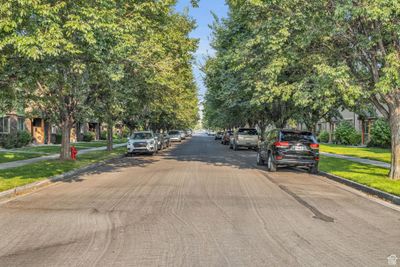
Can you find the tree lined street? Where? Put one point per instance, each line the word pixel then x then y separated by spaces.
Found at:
pixel 197 204
pixel 131 137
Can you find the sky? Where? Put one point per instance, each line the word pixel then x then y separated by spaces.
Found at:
pixel 203 18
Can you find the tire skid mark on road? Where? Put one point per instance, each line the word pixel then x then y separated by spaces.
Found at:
pixel 224 215
pixel 346 237
pixel 317 213
pixel 292 260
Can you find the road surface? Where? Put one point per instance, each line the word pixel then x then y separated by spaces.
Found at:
pixel 199 204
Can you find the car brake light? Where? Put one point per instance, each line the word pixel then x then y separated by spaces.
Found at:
pixel 314 146
pixel 281 144
pixel 316 158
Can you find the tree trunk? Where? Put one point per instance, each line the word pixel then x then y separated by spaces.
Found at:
pixel 109 137
pixel 330 133
pixel 65 153
pixel 394 121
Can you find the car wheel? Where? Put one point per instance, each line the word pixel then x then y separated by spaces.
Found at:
pixel 313 169
pixel 271 163
pixel 260 160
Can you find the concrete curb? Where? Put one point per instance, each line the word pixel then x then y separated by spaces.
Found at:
pixel 24 189
pixel 366 189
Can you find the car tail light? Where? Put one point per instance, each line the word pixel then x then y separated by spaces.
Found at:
pixel 279 157
pixel 314 146
pixel 281 144
pixel 317 158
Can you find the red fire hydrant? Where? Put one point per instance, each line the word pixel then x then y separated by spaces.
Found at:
pixel 74 152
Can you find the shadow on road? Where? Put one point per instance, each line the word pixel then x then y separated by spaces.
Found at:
pixel 196 149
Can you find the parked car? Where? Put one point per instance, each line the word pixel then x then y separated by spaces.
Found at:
pixel 142 142
pixel 226 137
pixel 160 141
pixel 167 140
pixel 211 133
pixel 175 136
pixel 189 132
pixel 218 135
pixel 289 148
pixel 183 134
pixel 244 137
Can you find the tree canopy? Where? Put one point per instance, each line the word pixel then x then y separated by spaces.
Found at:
pixel 115 60
pixel 302 60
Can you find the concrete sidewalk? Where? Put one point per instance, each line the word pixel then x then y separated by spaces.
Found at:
pixel 15 164
pixel 358 160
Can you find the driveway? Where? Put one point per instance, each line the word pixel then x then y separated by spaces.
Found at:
pixel 198 204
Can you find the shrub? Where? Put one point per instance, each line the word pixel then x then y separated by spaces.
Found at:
pixel 323 137
pixel 380 135
pixel 346 134
pixel 18 140
pixel 58 138
pixel 103 135
pixel 125 132
pixel 355 139
pixel 23 139
pixel 89 136
pixel 8 141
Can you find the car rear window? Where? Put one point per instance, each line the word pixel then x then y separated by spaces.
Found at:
pixel 247 132
pixel 173 132
pixel 298 136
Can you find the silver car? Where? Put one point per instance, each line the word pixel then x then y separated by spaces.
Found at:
pixel 183 134
pixel 244 137
pixel 175 136
pixel 142 142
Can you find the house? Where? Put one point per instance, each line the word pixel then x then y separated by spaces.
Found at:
pixel 13 122
pixel 41 130
pixel 361 122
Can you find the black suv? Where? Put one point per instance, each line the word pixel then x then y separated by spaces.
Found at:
pixel 289 148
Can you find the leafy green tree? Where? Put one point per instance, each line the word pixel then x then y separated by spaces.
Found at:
pixel 53 43
pixel 365 37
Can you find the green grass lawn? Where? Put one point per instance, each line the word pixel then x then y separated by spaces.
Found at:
pixel 47 149
pixel 362 173
pixel 11 178
pixel 379 154
pixel 11 156
pixel 54 149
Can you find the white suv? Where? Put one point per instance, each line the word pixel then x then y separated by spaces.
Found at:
pixel 142 142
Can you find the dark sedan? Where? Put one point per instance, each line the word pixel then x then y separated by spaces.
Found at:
pixel 289 148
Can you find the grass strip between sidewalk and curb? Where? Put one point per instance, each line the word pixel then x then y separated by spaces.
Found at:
pixel 364 174
pixel 6 157
pixel 372 153
pixel 14 177
pixel 55 149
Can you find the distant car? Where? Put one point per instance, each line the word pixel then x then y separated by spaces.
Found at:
pixel 142 142
pixel 160 141
pixel 244 138
pixel 226 137
pixel 289 148
pixel 167 140
pixel 189 132
pixel 218 135
pixel 211 133
pixel 175 136
pixel 183 134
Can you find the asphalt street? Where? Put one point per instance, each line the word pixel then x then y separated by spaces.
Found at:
pixel 197 204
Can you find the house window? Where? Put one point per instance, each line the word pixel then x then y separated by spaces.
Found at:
pixel 5 125
pixel 21 124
